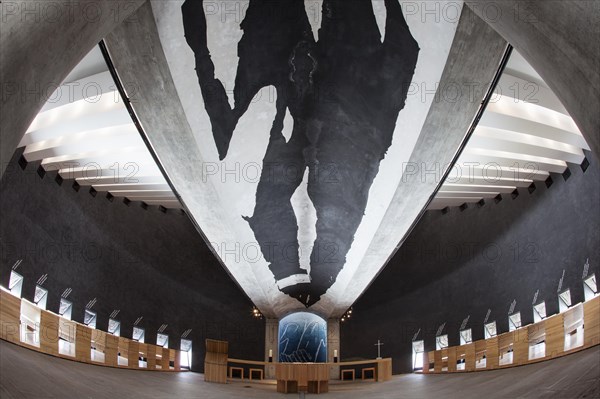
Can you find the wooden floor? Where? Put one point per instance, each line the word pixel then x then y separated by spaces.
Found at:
pixel 28 374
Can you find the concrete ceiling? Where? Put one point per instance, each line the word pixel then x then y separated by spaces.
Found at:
pixel 300 122
pixel 289 141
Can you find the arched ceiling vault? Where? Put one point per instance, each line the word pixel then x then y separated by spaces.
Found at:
pixel 217 101
pixel 361 126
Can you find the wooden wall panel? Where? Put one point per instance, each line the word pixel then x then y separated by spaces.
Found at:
pixel 451 359
pixel 151 356
pixel 437 361
pixel 10 317
pixel 143 353
pixel 384 369
pixel 591 317
pixel 555 335
pixel 520 346
pixel 49 333
pixel 111 349
pixel 212 345
pixel 165 358
pixel 176 357
pixel 99 342
pixel 491 353
pixel 426 362
pixel 133 355
pixel 215 361
pixel 214 372
pixel 83 346
pixel 53 327
pixel 469 357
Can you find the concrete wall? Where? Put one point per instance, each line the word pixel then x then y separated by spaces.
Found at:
pixel 461 264
pixel 142 262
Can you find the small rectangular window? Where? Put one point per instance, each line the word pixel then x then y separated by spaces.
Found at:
pixel 41 297
pixel 441 342
pixel 162 340
pixel 65 309
pixel 539 312
pixel 114 327
pixel 30 323
pixel 138 334
pixel 590 287
pixel 185 354
pixel 89 318
pixel 15 284
pixel 564 300
pixel 418 350
pixel 466 337
pixel 514 321
pixel 489 330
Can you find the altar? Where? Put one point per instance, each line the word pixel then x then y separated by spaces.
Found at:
pixel 291 377
pixel 309 377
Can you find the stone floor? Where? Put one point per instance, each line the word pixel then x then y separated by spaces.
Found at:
pixel 28 374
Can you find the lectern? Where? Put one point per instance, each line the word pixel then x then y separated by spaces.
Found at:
pixel 215 361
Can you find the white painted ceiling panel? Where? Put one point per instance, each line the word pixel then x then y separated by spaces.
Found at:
pixel 524 135
pixel 85 132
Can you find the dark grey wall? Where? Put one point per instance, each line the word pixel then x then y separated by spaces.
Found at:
pixel 143 262
pixel 463 263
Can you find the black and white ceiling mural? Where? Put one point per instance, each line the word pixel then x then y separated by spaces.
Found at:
pixel 305 113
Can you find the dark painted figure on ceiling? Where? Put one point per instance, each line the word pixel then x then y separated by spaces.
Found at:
pixel 344 93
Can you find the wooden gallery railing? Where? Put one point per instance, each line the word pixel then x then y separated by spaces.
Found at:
pixel 564 333
pixel 25 324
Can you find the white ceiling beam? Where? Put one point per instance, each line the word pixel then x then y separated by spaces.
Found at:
pixel 492 171
pixel 74 118
pixel 132 187
pixel 108 178
pixel 170 204
pixel 511 160
pixel 143 193
pixel 89 87
pixel 467 194
pixel 441 203
pixel 534 120
pixel 467 188
pixel 114 117
pixel 491 181
pixel 137 155
pixel 529 91
pixel 504 140
pixel 104 139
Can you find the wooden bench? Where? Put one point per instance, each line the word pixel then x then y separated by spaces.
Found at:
pixel 259 371
pixel 372 370
pixel 347 371
pixel 240 369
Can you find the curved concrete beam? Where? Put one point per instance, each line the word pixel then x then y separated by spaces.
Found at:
pixel 560 40
pixel 41 42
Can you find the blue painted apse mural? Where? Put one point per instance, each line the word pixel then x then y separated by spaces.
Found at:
pixel 302 338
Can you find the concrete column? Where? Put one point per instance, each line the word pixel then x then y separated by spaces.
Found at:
pixel 40 43
pixel 271 343
pixel 333 344
pixel 560 40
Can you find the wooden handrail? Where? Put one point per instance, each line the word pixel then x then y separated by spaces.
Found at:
pixel 352 363
pixel 50 333
pixel 551 330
